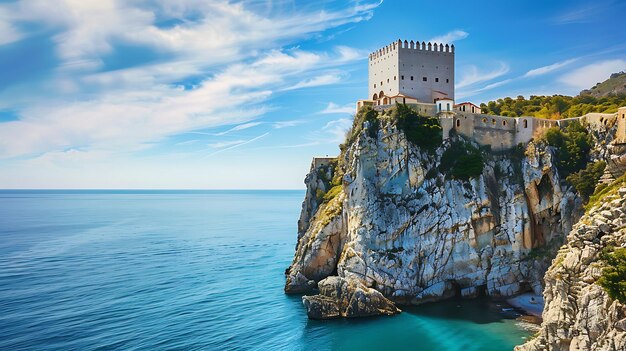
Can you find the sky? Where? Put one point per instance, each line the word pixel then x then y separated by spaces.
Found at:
pixel 191 94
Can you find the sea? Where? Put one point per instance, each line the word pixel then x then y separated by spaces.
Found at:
pixel 190 270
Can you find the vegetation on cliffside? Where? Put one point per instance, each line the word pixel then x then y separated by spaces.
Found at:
pixel 572 144
pixel 613 278
pixel 425 132
pixel 462 161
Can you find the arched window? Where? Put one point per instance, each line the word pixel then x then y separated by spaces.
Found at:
pixel 458 123
pixel 375 97
pixel 503 123
pixel 484 120
pixel 493 121
pixel 381 94
pixel 448 106
pixel 525 123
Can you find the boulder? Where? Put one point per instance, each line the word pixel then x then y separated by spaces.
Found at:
pixel 339 297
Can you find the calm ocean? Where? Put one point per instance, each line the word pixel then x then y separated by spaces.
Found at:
pixel 188 270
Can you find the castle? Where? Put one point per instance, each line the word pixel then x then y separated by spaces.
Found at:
pixel 421 75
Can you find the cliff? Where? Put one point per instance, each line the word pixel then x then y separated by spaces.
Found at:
pixel 389 216
pixel 579 314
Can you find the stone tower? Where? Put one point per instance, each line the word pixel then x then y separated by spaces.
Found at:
pixel 424 71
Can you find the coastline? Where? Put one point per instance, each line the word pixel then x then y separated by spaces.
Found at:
pixel 530 303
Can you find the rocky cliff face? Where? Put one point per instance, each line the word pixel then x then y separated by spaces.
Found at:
pixel 404 228
pixel 579 314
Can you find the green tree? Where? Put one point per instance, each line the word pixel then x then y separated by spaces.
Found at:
pixel 613 278
pixel 586 180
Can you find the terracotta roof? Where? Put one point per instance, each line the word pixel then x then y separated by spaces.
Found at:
pixel 441 92
pixel 467 103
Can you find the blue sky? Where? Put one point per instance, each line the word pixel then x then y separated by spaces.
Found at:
pixel 217 94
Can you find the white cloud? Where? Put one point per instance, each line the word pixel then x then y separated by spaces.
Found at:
pixel 8 33
pixel 239 127
pixel 337 129
pixel 466 93
pixel 583 14
pixel 325 79
pixel 472 75
pixel 547 69
pixel 587 76
pixel 287 124
pixel 126 109
pixel 334 108
pixel 450 37
pixel 237 144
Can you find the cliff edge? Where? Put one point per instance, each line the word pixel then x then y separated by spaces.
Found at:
pixel 394 216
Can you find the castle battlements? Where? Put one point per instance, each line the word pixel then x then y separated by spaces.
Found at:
pixel 412 45
pixel 421 75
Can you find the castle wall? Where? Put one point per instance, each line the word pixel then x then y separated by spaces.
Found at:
pixel 620 135
pixel 497 131
pixel 464 124
pixel 392 67
pixel 524 129
pixel 383 72
pixel 426 69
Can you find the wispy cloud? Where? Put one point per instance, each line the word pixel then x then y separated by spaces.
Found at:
pixel 228 49
pixel 586 13
pixel 236 144
pixel 450 37
pixel 337 129
pixel 472 74
pixel 326 79
pixel 287 124
pixel 8 33
pixel 239 127
pixel 547 69
pixel 333 108
pixel 587 76
pixel 466 93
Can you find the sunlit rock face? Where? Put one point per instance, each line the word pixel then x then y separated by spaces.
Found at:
pixel 404 227
pixel 579 314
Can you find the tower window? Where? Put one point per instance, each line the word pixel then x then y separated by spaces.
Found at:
pixel 436 80
pixel 394 77
pixel 381 83
pixel 411 77
pixel 402 77
pixel 374 85
pixel 387 80
pixel 447 80
pixel 424 79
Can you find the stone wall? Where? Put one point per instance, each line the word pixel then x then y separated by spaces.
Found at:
pixel 419 70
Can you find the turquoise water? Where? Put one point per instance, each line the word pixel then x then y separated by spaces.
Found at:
pixel 188 270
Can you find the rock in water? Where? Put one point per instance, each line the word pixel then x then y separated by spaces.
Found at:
pixel 339 297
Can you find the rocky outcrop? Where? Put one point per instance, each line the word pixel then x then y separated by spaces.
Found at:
pixel 339 297
pixel 402 226
pixel 579 314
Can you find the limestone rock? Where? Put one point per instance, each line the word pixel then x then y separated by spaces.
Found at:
pixel 578 314
pixel 339 297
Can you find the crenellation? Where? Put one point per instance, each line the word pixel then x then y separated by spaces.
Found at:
pixel 421 75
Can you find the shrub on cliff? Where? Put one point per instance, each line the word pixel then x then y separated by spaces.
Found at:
pixel 613 278
pixel 573 145
pixel 585 180
pixel 425 132
pixel 462 161
pixel 365 114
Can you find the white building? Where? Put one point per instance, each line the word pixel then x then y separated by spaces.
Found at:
pixel 421 71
